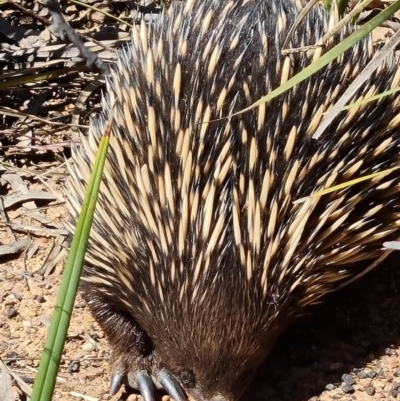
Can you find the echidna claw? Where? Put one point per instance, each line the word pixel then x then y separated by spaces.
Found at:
pixel 170 385
pixel 116 382
pixel 145 386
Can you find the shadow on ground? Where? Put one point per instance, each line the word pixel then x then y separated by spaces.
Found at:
pixel 352 328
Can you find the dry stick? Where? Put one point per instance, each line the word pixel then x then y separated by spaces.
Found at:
pixel 43 20
pixel 64 30
pixel 345 20
pixel 46 22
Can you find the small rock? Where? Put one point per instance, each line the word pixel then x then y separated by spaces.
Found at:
pixel 396 373
pixel 45 320
pixel 362 374
pixel 347 379
pixel 348 389
pixel 88 346
pixel 12 356
pixel 73 367
pixel 17 296
pixel 393 393
pixel 330 387
pixel 370 390
pixel 10 300
pixel 11 312
pixel 40 299
pixel 365 382
pixel 372 374
pixel 390 351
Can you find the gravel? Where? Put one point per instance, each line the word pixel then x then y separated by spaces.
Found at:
pixel 339 351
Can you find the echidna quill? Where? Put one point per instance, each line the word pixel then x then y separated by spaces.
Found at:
pixel 198 256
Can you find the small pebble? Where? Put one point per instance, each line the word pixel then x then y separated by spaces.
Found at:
pixel 45 320
pixel 329 387
pixel 396 386
pixel 365 382
pixel 372 374
pixel 396 373
pixel 73 367
pixel 362 374
pixel 370 390
pixel 347 379
pixel 40 299
pixel 12 356
pixel 17 296
pixel 88 346
pixel 348 389
pixel 390 351
pixel 11 312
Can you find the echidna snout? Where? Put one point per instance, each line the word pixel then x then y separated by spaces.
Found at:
pixel 198 256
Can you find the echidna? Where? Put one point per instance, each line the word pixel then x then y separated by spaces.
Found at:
pixel 199 256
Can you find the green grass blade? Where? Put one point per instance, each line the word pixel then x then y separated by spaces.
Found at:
pixel 328 57
pixel 46 377
pixel 14 82
pixel 372 98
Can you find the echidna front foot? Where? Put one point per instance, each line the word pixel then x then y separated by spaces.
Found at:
pixel 171 385
pixel 145 385
pixel 134 361
pixel 117 380
pixel 145 376
pixel 162 380
pixel 130 368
